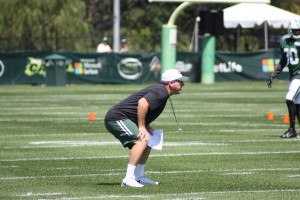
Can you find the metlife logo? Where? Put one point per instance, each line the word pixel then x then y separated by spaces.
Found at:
pixel 228 67
pixel 2 68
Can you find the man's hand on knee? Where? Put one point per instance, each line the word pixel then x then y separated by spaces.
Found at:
pixel 144 135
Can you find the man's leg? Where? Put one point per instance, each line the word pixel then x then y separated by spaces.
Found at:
pixel 138 153
pixel 126 131
pixel 298 112
pixel 297 105
pixel 290 97
pixel 140 169
pixel 292 113
pixel 136 156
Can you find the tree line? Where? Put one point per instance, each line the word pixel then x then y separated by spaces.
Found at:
pixel 79 25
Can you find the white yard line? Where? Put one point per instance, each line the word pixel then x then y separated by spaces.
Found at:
pixel 31 194
pixel 58 176
pixel 50 135
pixel 185 131
pixel 171 196
pixel 79 143
pixel 119 172
pixel 234 171
pixel 65 143
pixel 294 176
pixel 238 173
pixel 153 155
pixel 12 166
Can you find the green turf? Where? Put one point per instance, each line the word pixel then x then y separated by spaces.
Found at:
pixel 227 149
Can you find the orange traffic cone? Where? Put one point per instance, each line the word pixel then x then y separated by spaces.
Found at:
pixel 270 116
pixel 286 119
pixel 92 116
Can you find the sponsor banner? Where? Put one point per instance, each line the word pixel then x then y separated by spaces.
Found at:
pixel 22 68
pixel 113 68
pixel 189 64
pixel 31 67
pixel 248 66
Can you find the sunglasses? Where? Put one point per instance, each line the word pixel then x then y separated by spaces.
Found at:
pixel 181 82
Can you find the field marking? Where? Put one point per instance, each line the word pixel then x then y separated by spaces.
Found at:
pixel 31 194
pixel 120 172
pixel 153 155
pixel 58 176
pixel 198 198
pixel 294 176
pixel 253 130
pixel 189 195
pixel 12 166
pixel 62 168
pixel 78 143
pixel 77 114
pixel 64 143
pixel 49 135
pixel 49 119
pixel 105 143
pixel 225 170
pixel 81 119
pixel 238 173
pixel 101 133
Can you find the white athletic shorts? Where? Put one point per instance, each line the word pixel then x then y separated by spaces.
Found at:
pixel 293 93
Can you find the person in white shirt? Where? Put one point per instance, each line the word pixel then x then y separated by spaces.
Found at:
pixel 104 46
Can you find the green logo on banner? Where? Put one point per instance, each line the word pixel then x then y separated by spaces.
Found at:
pixel 34 66
pixel 130 68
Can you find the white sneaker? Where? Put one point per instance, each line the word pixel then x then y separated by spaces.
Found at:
pixel 144 180
pixel 131 182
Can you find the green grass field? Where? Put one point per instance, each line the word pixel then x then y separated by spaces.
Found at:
pixel 227 149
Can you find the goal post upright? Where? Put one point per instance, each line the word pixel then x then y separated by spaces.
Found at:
pixel 169 38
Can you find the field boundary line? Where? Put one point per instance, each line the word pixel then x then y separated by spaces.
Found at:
pixel 119 172
pixel 154 155
pixel 180 194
